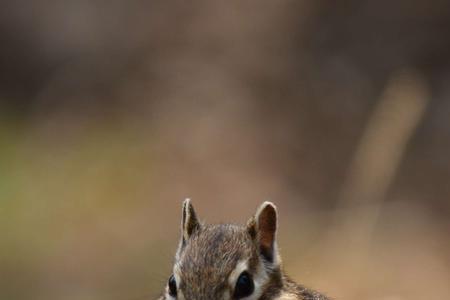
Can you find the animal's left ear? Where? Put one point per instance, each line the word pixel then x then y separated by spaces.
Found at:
pixel 189 221
pixel 263 228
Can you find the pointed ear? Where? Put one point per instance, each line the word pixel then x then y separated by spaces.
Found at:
pixel 189 221
pixel 263 228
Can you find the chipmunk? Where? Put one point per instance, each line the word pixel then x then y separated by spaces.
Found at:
pixel 231 262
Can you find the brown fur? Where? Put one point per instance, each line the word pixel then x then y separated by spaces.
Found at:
pixel 209 257
pixel 208 254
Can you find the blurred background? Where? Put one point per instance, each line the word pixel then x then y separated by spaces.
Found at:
pixel 112 112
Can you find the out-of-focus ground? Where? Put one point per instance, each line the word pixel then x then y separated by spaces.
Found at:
pixel 112 112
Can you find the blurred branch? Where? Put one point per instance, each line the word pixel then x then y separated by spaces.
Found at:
pixel 373 168
pixel 385 139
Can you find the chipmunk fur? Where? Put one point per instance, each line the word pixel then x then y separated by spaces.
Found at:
pixel 231 262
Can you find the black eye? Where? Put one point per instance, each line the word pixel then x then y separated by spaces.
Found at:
pixel 172 286
pixel 244 286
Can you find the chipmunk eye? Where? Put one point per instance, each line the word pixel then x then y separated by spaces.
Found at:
pixel 172 286
pixel 244 286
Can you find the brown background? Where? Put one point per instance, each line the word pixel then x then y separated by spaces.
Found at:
pixel 112 112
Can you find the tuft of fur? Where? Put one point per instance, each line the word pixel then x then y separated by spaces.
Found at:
pixel 210 258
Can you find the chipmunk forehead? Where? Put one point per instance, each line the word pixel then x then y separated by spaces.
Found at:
pixel 212 253
pixel 223 242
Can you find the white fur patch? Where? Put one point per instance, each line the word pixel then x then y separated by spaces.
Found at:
pixel 260 278
pixel 180 295
pixel 241 266
pixel 168 297
pixel 287 296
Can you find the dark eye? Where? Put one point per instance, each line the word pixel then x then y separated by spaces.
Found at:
pixel 244 286
pixel 172 286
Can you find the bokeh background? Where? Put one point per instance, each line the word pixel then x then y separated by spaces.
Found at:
pixel 112 112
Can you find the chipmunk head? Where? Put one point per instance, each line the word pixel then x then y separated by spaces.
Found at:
pixel 226 262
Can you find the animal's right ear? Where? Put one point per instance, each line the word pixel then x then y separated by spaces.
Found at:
pixel 263 228
pixel 189 222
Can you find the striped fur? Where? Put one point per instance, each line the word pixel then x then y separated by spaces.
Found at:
pixel 210 259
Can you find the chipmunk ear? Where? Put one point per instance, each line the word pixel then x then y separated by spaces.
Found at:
pixel 189 221
pixel 263 228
